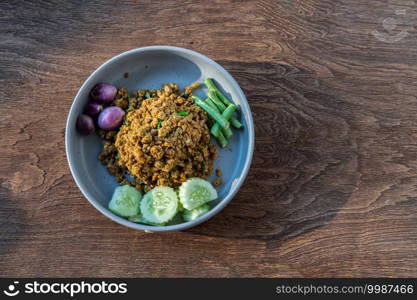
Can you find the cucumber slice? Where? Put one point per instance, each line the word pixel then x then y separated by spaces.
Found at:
pixel 125 201
pixel 195 192
pixel 139 219
pixel 159 205
pixel 189 215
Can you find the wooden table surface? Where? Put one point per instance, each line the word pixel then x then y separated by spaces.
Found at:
pixel 332 190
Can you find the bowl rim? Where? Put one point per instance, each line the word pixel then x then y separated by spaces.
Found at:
pixel 223 202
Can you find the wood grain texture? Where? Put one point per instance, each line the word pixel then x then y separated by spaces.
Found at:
pixel 333 186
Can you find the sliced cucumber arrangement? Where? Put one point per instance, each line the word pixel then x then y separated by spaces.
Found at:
pixel 159 205
pixel 189 215
pixel 125 201
pixel 195 192
pixel 163 205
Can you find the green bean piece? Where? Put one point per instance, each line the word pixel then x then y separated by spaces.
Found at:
pixel 216 129
pixel 211 86
pixel 227 132
pixel 226 114
pixel 235 123
pixel 211 121
pixel 215 99
pixel 211 103
pixel 229 111
pixel 222 140
pixel 214 133
pixel 213 113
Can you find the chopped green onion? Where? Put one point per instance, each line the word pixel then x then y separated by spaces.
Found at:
pixel 182 113
pixel 147 95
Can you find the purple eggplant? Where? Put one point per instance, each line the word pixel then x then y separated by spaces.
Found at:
pixel 93 109
pixel 85 124
pixel 111 118
pixel 103 93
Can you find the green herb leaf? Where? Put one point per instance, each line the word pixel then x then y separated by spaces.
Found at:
pixel 159 124
pixel 182 113
pixel 147 95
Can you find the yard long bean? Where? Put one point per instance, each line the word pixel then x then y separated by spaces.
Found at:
pixel 220 105
pixel 212 112
pixel 222 139
pixel 226 114
pixel 211 86
pixel 227 132
pixel 213 96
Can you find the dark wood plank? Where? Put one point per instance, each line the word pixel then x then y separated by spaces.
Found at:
pixel 332 189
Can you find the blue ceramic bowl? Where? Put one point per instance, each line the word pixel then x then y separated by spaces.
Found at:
pixel 150 67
